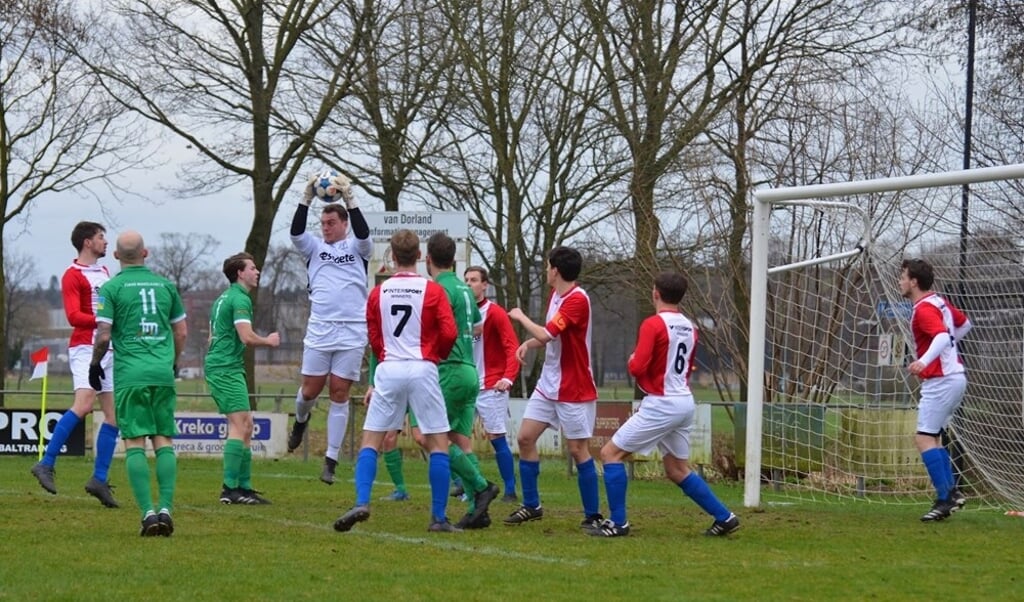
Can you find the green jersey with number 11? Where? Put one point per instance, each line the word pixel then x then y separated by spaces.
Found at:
pixel 140 307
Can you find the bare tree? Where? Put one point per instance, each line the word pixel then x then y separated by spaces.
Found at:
pixel 187 260
pixel 387 133
pixel 524 156
pixel 246 84
pixel 24 316
pixel 58 130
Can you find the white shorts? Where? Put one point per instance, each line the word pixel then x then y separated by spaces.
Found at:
pixel 664 422
pixel 576 420
pixel 345 363
pixel 335 336
pixel 411 384
pixel 79 358
pixel 492 407
pixel 940 397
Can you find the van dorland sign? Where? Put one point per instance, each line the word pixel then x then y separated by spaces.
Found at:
pixel 425 224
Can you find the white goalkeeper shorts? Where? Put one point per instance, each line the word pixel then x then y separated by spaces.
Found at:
pixel 345 363
pixel 402 384
pixel 334 336
pixel 940 397
pixel 575 419
pixel 662 422
pixel 492 407
pixel 79 358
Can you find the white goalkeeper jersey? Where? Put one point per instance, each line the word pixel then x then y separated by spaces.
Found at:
pixel 337 277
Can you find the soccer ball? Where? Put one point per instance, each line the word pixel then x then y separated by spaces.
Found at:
pixel 323 189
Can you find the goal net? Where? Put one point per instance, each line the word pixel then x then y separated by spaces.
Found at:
pixel 831 408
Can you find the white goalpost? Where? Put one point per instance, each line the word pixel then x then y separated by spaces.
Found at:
pixel 830 409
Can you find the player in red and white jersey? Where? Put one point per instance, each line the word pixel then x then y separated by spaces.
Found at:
pixel 79 287
pixel 411 328
pixel 936 326
pixel 335 340
pixel 565 396
pixel 661 364
pixel 494 352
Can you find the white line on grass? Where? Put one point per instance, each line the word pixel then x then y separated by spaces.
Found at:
pixel 433 541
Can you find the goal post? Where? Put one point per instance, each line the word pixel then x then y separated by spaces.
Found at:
pixel 827 341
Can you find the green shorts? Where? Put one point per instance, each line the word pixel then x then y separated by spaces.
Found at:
pixel 460 385
pixel 229 391
pixel 145 411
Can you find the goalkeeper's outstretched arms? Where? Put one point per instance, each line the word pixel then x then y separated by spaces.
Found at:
pixel 302 210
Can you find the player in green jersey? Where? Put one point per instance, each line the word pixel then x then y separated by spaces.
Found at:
pixel 230 332
pixel 142 314
pixel 460 382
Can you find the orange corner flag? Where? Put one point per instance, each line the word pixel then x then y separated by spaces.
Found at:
pixel 40 360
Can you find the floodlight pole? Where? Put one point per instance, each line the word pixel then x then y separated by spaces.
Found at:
pixel 957 453
pixel 965 190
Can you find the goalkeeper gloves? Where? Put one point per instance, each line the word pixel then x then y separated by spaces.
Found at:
pixel 96 376
pixel 344 187
pixel 307 192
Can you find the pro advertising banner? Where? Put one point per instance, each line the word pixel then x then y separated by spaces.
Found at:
pixel 20 430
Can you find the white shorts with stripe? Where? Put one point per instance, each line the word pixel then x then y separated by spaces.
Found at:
pixel 402 384
pixel 492 407
pixel 79 358
pixel 940 397
pixel 662 422
pixel 575 419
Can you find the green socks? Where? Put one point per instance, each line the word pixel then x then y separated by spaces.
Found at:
pixel 138 477
pixel 232 462
pixel 393 462
pixel 166 475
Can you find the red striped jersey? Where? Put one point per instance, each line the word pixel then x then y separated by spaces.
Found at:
pixel 661 362
pixel 408 317
pixel 566 374
pixel 934 315
pixel 494 351
pixel 80 287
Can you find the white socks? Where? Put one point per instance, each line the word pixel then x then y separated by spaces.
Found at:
pixel 337 423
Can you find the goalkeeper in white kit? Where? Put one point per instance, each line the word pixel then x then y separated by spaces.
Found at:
pixel 336 339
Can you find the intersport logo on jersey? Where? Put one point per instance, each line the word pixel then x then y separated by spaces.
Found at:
pixel 340 259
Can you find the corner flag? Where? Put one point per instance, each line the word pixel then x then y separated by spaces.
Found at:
pixel 40 360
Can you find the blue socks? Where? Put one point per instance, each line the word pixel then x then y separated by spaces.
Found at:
pixel 529 471
pixel 106 441
pixel 439 472
pixel 616 482
pixel 948 463
pixel 61 432
pixel 366 472
pixel 699 492
pixel 589 491
pixel 936 460
pixel 506 465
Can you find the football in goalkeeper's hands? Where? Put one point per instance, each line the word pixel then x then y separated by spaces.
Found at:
pixel 324 189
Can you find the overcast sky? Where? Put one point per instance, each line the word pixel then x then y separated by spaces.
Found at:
pixel 44 234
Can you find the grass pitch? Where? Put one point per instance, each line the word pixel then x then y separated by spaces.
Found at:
pixel 68 547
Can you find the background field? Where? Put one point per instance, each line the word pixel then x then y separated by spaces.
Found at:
pixel 68 547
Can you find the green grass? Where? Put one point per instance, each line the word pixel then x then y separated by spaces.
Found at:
pixel 68 547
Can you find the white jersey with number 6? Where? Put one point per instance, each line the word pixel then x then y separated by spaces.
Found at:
pixel 664 350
